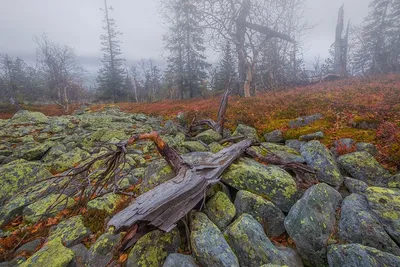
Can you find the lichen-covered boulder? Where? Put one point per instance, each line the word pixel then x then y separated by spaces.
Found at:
pixel 215 147
pixel 32 150
pixel 71 231
pixel 29 247
pixel 18 174
pixel 358 225
pixel 394 182
pixel 209 136
pixel 270 182
pixel 101 252
pixel 54 152
pixel 291 257
pixel 220 210
pixel 311 222
pixel 54 254
pixel 355 255
pixel 208 243
pixel 321 159
pixel 28 117
pixel 313 136
pixel 264 211
pixel 355 186
pixel 80 257
pixel 40 209
pixel 107 203
pixel 385 203
pixel 246 131
pixel 69 160
pixel 367 147
pixel 250 244
pixel 181 260
pixel 363 166
pixel 274 137
pixel 152 249
pixel 194 146
pixel 109 135
pixel 286 153
pixel 304 121
pixel 295 144
pixel 156 173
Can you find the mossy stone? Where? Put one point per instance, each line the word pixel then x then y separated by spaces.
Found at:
pixel 215 147
pixel 101 252
pixel 270 182
pixel 54 254
pixel 155 174
pixel 28 117
pixel 107 203
pixel 246 131
pixel 220 210
pixel 69 160
pixel 209 136
pixel 152 249
pixel 194 146
pixel 71 231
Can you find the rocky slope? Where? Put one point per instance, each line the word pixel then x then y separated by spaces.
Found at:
pixel 257 216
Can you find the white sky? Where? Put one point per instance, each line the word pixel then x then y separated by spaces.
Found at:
pixel 78 23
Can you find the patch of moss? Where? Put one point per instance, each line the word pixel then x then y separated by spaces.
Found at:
pixel 95 220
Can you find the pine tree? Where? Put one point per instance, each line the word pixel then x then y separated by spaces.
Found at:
pixel 185 44
pixel 226 70
pixel 112 75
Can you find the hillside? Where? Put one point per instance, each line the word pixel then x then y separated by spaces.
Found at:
pixel 345 105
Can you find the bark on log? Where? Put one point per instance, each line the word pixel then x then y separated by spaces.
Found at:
pixel 166 204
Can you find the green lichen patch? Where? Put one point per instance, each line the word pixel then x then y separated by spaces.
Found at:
pixel 246 131
pixel 28 117
pixel 54 254
pixel 69 160
pixel 194 146
pixel 152 249
pixel 107 203
pixel 209 136
pixel 71 231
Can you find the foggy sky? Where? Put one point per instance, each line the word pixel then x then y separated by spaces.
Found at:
pixel 78 23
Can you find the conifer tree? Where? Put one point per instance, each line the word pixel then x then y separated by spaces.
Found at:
pixel 226 70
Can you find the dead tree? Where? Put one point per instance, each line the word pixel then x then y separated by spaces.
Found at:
pixel 341 46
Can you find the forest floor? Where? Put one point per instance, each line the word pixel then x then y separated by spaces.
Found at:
pixel 347 106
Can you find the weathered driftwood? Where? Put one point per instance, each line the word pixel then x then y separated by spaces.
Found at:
pixel 166 204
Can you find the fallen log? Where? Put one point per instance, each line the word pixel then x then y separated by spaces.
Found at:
pixel 166 204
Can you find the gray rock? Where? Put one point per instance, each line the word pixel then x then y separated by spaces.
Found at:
pixel 321 159
pixel 246 131
pixel 264 211
pixel 295 144
pixel 81 256
pixel 355 186
pixel 71 231
pixel 385 203
pixel 208 243
pixel 179 260
pixel 286 153
pixel 367 147
pixel 358 225
pixel 355 255
pixel 291 257
pixel 346 144
pixel 156 173
pixel 269 181
pixel 101 252
pixel 394 182
pixel 194 146
pixel 274 137
pixel 30 246
pixel 209 136
pixel 304 121
pixel 28 117
pixel 153 248
pixel 312 136
pixel 311 221
pixel 250 244
pixel 220 210
pixel 170 128
pixel 363 166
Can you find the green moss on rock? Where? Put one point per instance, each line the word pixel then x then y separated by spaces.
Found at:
pixel 220 210
pixel 107 203
pixel 69 160
pixel 71 231
pixel 209 136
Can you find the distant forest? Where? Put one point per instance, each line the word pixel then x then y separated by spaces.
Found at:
pixel 259 43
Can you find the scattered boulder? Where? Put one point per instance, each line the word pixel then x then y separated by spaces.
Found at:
pixel 367 147
pixel 71 231
pixel 101 252
pixel 194 146
pixel 28 117
pixel 291 257
pixel 81 256
pixel 69 160
pixel 358 225
pixel 54 254
pixel 32 150
pixel 313 136
pixel 295 144
pixel 394 182
pixel 29 247
pixel 39 209
pixel 270 182
pixel 208 243
pixel 179 260
pixel 355 186
pixel 385 203
pixel 220 210
pixel 355 255
pixel 321 159
pixel 107 203
pixel 274 137
pixel 209 136
pixel 246 131
pixel 264 211
pixel 215 147
pixel 156 173
pixel 18 174
pixel 311 222
pixel 363 166
pixel 153 248
pixel 304 121
pixel 286 153
pixel 250 244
